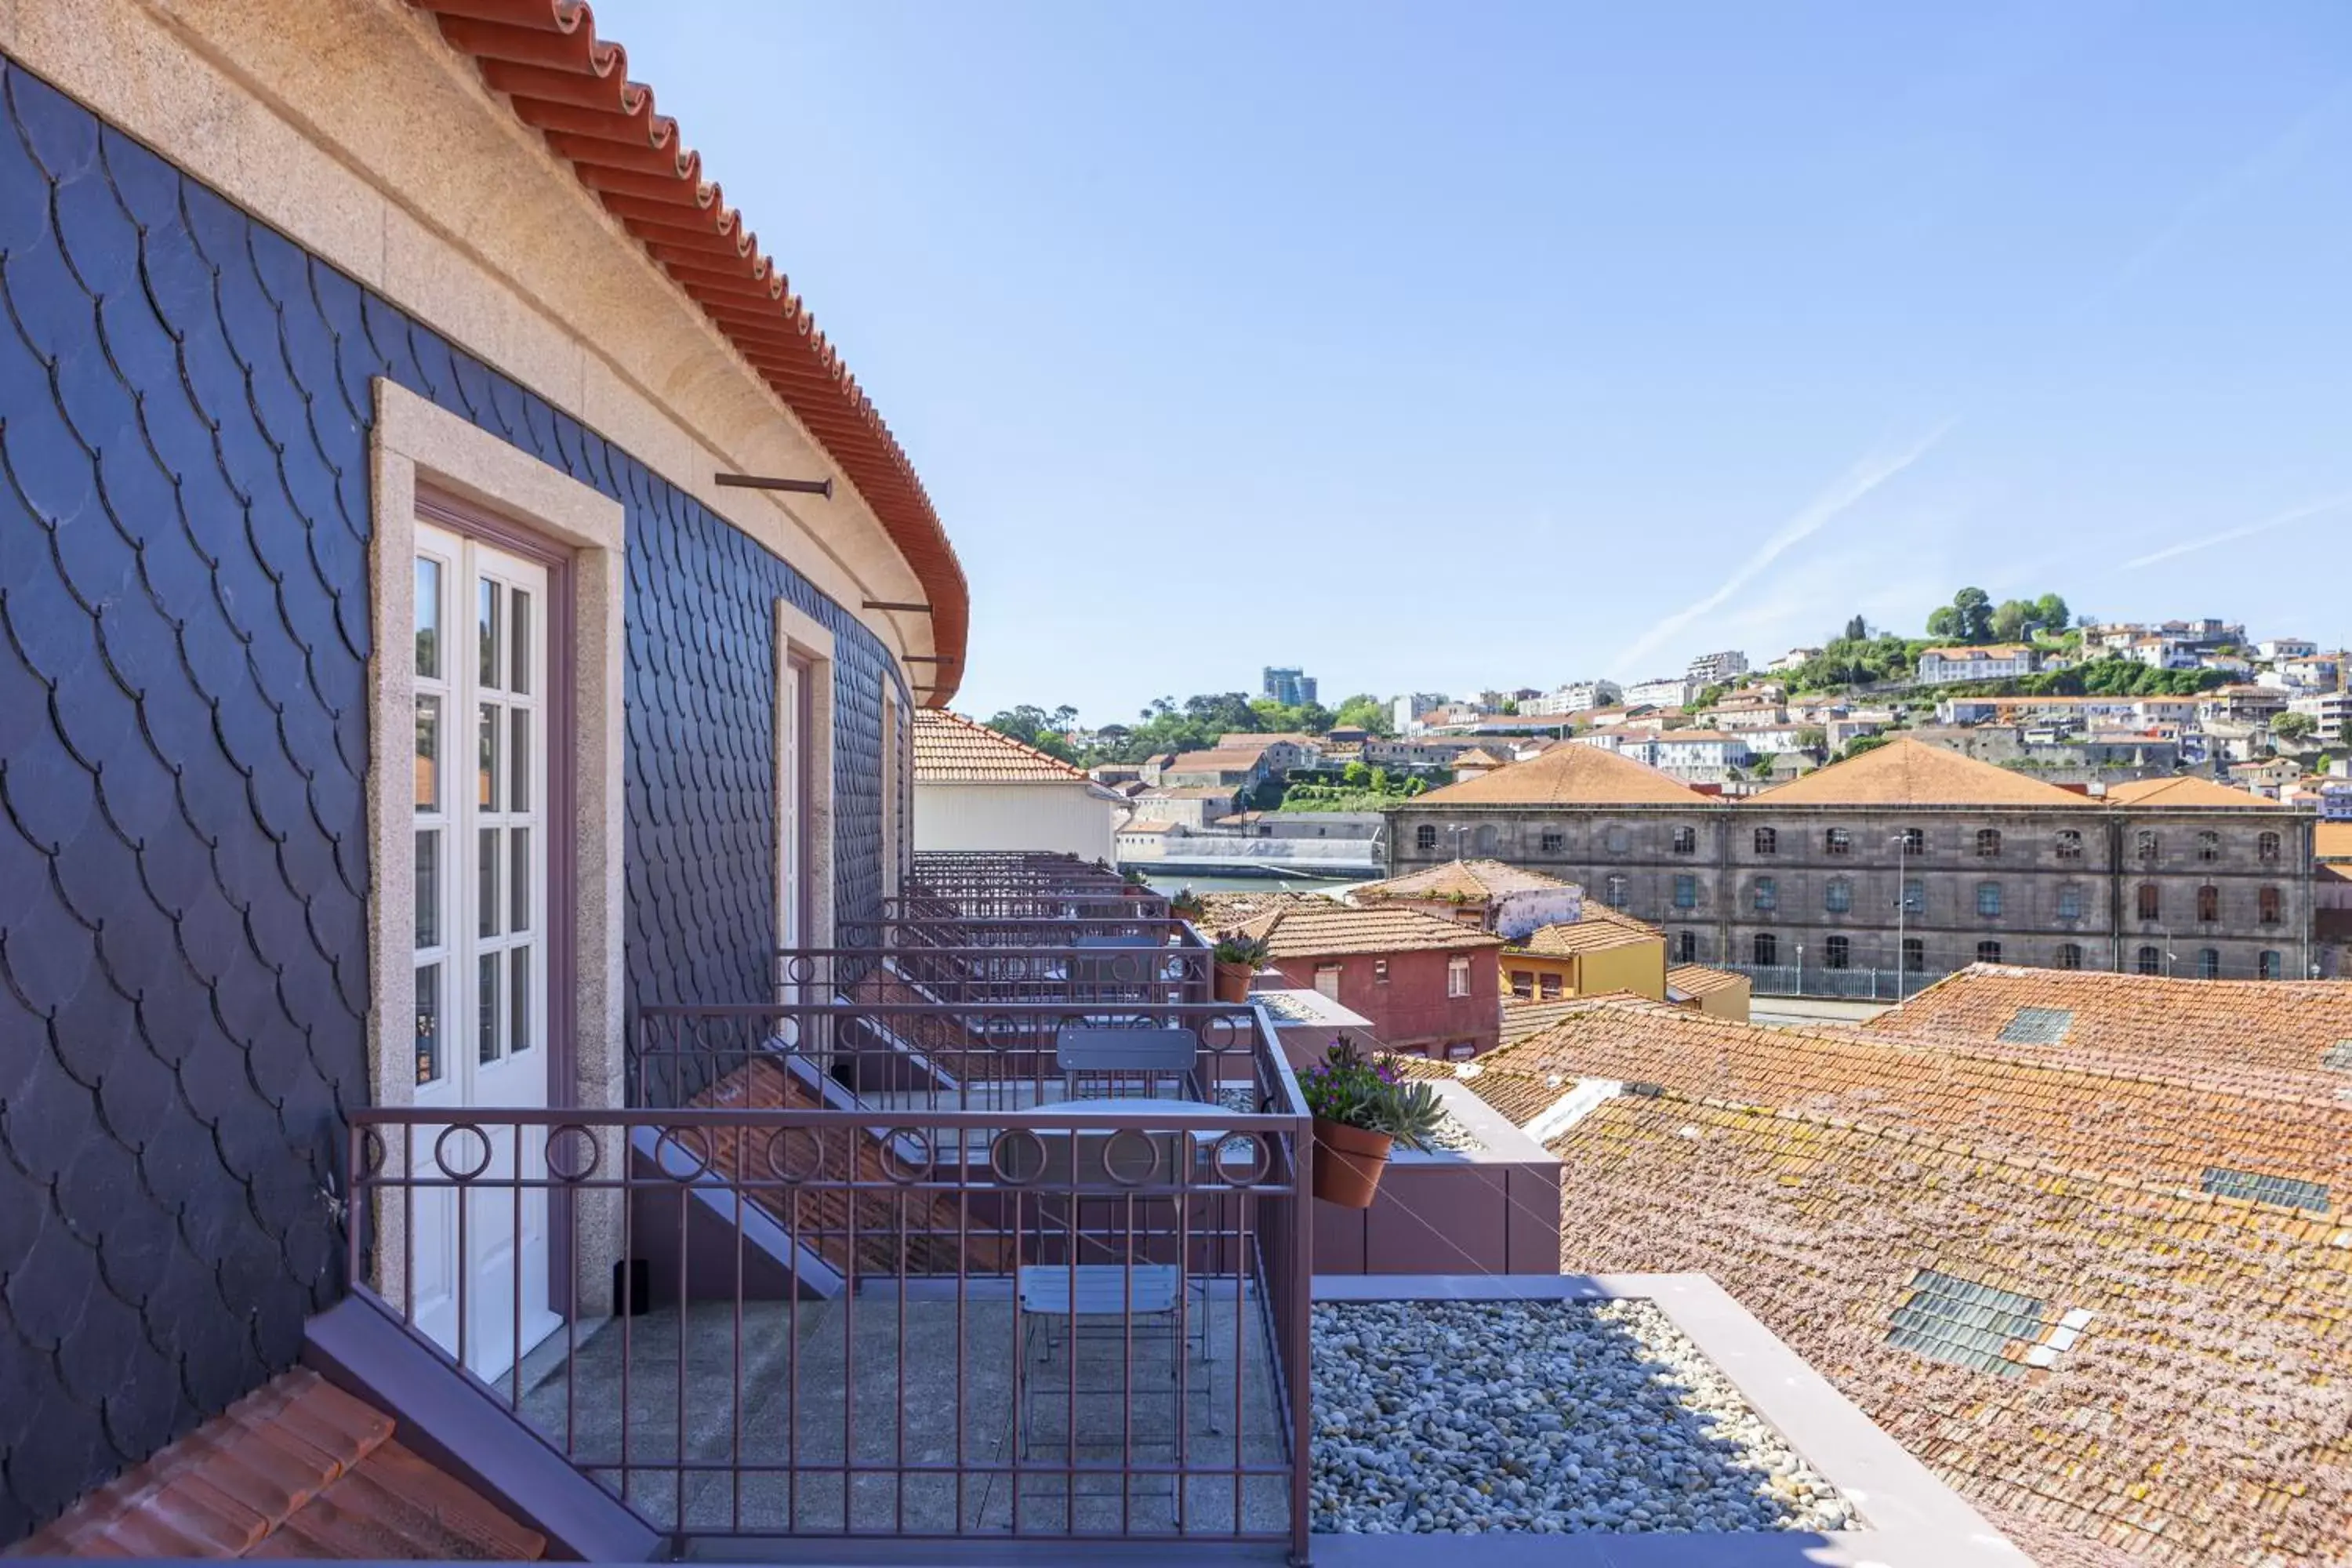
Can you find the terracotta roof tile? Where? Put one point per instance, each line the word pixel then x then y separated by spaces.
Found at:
pixel 572 87
pixel 1568 775
pixel 1313 929
pixel 2281 1030
pixel 2190 792
pixel 296 1469
pixel 952 749
pixel 1600 929
pixel 1913 773
pixel 1470 880
pixel 2332 841
pixel 2114 1123
pixel 2192 1422
pixel 1698 980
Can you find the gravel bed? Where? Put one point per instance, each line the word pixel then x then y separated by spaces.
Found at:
pixel 1452 1135
pixel 1545 1418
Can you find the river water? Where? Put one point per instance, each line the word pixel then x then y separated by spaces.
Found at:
pixel 1173 881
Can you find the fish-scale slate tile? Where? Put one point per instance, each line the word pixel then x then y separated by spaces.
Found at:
pixel 185 398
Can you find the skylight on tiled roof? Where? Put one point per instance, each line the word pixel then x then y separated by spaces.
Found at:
pixel 2038 1026
pixel 2338 1056
pixel 1981 1327
pixel 2255 1187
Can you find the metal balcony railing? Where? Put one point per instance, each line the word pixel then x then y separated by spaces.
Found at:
pixel 951 1241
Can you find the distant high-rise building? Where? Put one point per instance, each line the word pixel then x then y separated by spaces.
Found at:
pixel 1291 688
pixel 1716 669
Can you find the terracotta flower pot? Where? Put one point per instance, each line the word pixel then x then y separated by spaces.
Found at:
pixel 1348 1162
pixel 1233 981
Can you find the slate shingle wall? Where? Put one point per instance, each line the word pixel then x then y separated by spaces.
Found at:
pixel 184 402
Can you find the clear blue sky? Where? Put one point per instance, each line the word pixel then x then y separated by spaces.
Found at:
pixel 1443 347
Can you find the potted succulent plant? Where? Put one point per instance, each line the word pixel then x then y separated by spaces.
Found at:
pixel 1134 884
pixel 1363 1110
pixel 1187 905
pixel 1236 958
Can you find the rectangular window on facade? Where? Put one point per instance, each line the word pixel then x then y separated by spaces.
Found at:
pixel 1687 947
pixel 1915 955
pixel 2150 961
pixel 1914 841
pixel 1837 841
pixel 2209 963
pixel 1686 891
pixel 2267 906
pixel 2069 955
pixel 2208 845
pixel 1550 986
pixel 1379 971
pixel 1988 952
pixel 2151 901
pixel 1914 895
pixel 1837 898
pixel 1768 841
pixel 1837 952
pixel 2266 849
pixel 1766 894
pixel 1616 890
pixel 1425 838
pixel 2070 901
pixel 1458 978
pixel 1764 947
pixel 2070 844
pixel 2269 965
pixel 1553 840
pixel 1686 841
pixel 1327 980
pixel 1523 983
pixel 1989 899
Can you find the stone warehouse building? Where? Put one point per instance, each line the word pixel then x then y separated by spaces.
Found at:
pixel 1906 858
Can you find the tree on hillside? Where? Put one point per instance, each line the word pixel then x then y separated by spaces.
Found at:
pixel 1363 711
pixel 2292 727
pixel 2050 614
pixel 1857 630
pixel 1047 731
pixel 1968 619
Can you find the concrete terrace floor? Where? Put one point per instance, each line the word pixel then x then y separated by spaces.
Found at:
pixel 779 1402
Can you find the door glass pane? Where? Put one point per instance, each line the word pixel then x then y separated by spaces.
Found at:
pixel 518 760
pixel 428 1024
pixel 519 638
pixel 488 616
pixel 428 753
pixel 428 618
pixel 518 878
pixel 487 727
pixel 489 1014
pixel 428 888
pixel 486 873
pixel 519 995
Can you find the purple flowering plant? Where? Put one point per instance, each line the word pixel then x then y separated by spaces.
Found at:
pixel 1356 1090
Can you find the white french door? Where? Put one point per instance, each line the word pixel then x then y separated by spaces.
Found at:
pixel 479 1284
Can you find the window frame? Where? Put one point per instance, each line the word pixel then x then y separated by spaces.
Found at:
pixel 2269 905
pixel 1837 841
pixel 1989 900
pixel 2069 955
pixel 2268 847
pixel 1764 895
pixel 1989 950
pixel 1457 976
pixel 2069 844
pixel 1837 952
pixel 1764 949
pixel 1988 842
pixel 1425 838
pixel 1767 841
pixel 2147 900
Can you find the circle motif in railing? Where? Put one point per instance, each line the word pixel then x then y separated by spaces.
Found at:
pixel 441 1151
pixel 568 1140
pixel 1112 1163
pixel 374 1151
pixel 900 1170
pixel 699 1153
pixel 1016 1156
pixel 1260 1167
pixel 777 1155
